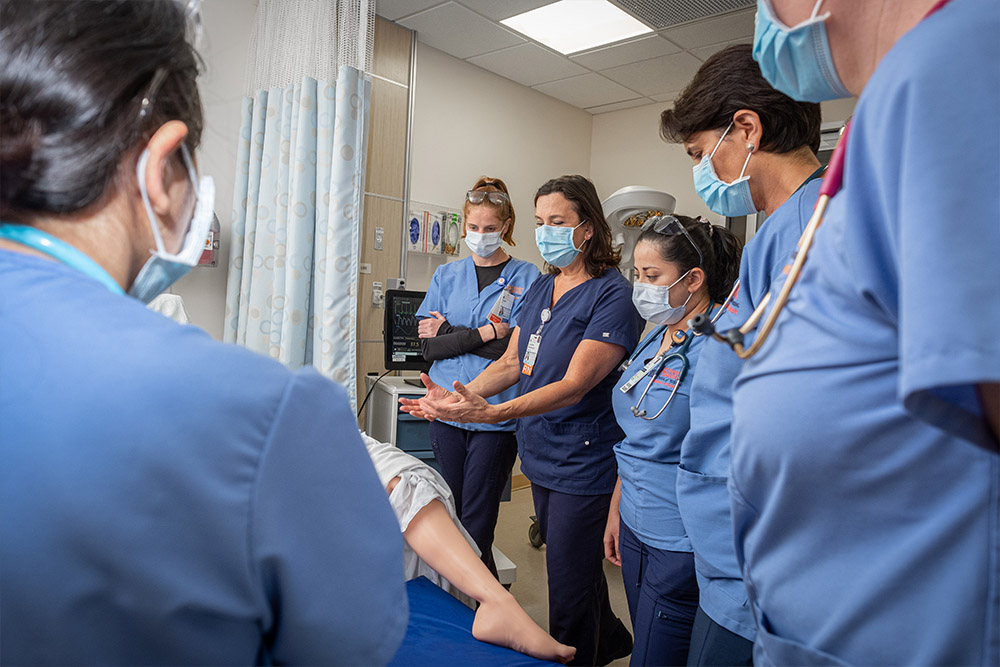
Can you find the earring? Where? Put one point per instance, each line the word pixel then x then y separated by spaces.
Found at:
pixel 750 147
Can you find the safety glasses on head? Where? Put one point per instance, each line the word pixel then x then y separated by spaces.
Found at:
pixel 479 196
pixel 669 225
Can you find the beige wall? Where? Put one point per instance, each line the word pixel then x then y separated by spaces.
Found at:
pixel 228 24
pixel 468 122
pixel 627 150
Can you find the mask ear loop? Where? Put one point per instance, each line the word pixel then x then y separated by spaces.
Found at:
pixel 750 148
pixel 712 154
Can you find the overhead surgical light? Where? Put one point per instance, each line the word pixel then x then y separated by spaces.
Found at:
pixel 569 26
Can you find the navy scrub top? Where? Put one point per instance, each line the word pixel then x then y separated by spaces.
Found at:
pixel 570 450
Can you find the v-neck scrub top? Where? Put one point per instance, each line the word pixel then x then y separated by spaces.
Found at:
pixel 865 480
pixel 570 449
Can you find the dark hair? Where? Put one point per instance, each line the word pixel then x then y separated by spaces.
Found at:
pixel 504 210
pixel 598 253
pixel 720 250
pixel 73 76
pixel 729 81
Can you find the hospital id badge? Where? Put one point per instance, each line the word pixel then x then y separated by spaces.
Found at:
pixel 634 380
pixel 534 340
pixel 500 312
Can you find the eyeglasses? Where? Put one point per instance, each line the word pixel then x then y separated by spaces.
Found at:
pixel 669 225
pixel 479 196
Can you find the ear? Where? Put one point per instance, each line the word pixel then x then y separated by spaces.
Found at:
pixel 695 279
pixel 161 169
pixel 747 127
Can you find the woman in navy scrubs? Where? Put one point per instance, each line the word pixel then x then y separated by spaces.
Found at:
pixel 683 267
pixel 466 316
pixel 576 324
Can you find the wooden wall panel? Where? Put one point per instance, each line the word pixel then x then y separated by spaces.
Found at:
pixel 387 139
pixel 384 187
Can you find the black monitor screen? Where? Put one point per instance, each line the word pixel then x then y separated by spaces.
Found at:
pixel 402 344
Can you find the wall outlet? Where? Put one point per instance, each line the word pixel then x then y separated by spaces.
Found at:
pixel 395 283
pixel 378 296
pixel 379 238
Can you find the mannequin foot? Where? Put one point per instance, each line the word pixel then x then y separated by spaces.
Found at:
pixel 503 622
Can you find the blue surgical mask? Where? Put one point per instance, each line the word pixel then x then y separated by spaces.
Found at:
pixel 163 269
pixel 730 199
pixel 796 61
pixel 556 244
pixel 653 302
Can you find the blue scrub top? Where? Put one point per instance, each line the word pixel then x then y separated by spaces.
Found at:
pixel 865 479
pixel 570 449
pixel 168 499
pixel 650 452
pixel 704 457
pixel 454 292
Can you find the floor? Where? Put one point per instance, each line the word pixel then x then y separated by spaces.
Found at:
pixel 530 589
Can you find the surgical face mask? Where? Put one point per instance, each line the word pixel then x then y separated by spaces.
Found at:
pixel 556 244
pixel 730 199
pixel 163 269
pixel 796 61
pixel 653 302
pixel 483 244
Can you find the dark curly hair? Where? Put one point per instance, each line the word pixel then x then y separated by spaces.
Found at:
pixel 729 81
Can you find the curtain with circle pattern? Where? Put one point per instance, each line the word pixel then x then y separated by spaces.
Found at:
pixel 296 223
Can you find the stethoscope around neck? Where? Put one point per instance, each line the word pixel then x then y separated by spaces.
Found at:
pixel 734 337
pixel 660 361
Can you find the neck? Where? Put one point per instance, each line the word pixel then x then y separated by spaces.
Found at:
pixel 101 232
pixel 783 174
pixel 496 258
pixel 698 304
pixel 866 31
pixel 575 272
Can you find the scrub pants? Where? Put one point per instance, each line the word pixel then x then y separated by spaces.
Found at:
pixel 714 646
pixel 580 612
pixel 476 465
pixel 662 594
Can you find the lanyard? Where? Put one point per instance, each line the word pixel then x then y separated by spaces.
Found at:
pixel 59 250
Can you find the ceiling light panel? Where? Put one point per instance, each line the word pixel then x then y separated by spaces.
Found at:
pixel 569 26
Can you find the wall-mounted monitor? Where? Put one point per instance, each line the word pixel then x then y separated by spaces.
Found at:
pixel 402 344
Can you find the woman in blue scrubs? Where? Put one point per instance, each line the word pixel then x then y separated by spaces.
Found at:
pixel 167 499
pixel 575 326
pixel 683 267
pixel 865 467
pixel 728 99
pixel 467 315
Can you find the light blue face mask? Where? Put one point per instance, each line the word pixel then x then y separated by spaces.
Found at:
pixel 556 244
pixel 730 199
pixel 163 269
pixel 796 61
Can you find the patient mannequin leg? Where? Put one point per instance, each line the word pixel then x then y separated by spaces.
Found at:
pixel 500 619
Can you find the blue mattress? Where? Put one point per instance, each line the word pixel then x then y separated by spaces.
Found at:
pixel 440 633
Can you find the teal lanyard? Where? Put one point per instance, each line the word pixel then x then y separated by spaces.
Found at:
pixel 59 250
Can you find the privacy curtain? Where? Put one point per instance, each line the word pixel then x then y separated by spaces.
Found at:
pixel 299 187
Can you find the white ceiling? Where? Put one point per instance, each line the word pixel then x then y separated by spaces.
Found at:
pixel 643 70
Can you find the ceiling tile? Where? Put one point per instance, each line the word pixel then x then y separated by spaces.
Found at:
pixel 717 30
pixel 588 90
pixel 667 97
pixel 658 75
pixel 500 10
pixel 618 106
pixel 705 52
pixel 459 31
pixel 629 52
pixel 397 9
pixel 528 64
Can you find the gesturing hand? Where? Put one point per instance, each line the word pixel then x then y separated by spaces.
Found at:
pixel 428 327
pixel 414 406
pixel 461 405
